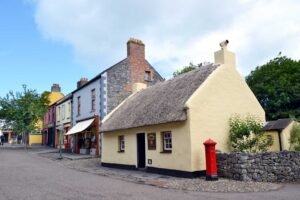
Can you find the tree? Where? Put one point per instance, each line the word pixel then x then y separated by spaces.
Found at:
pixel 276 85
pixel 22 110
pixel 246 134
pixel 186 69
pixel 295 137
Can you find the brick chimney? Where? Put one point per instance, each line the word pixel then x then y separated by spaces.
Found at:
pixel 55 88
pixel 135 48
pixel 81 82
pixel 138 65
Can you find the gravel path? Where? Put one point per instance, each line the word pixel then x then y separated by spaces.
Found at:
pixel 196 184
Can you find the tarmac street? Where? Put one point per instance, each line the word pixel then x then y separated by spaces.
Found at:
pixel 27 176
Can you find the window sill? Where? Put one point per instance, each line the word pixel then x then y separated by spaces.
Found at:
pixel 148 80
pixel 166 151
pixel 121 151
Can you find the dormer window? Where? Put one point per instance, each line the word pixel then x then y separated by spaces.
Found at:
pixel 148 76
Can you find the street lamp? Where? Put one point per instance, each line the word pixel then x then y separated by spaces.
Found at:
pixel 60 141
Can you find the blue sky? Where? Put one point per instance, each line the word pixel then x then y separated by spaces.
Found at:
pixel 28 58
pixel 53 41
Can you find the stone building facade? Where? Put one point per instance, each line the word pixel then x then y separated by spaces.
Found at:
pixel 101 94
pixel 134 69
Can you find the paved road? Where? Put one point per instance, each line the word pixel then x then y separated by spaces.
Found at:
pixel 26 176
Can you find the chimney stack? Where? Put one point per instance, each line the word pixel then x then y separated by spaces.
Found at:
pixel 136 87
pixel 224 56
pixel 82 82
pixel 135 48
pixel 55 88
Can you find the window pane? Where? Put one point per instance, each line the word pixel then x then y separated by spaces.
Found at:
pixel 147 75
pixel 167 140
pixel 121 143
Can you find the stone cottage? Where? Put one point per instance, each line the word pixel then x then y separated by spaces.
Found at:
pixel 93 99
pixel 162 128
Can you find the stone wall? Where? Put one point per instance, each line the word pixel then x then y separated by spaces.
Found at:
pixel 120 80
pixel 263 167
pixel 117 78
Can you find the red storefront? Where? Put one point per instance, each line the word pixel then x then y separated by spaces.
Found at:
pixel 85 136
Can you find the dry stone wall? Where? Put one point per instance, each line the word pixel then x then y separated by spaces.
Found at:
pixel 263 167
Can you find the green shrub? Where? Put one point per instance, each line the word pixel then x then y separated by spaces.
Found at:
pixel 246 134
pixel 295 137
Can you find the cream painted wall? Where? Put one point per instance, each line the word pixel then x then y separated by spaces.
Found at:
pixel 110 148
pixel 179 159
pixel 285 136
pixel 63 113
pixel 275 146
pixel 222 95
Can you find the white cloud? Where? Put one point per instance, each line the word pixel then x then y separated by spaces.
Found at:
pixel 175 32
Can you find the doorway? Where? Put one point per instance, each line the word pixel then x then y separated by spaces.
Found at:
pixel 141 150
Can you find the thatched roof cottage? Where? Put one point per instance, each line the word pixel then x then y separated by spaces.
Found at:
pixel 162 128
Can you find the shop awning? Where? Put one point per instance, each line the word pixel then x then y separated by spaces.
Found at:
pixel 80 126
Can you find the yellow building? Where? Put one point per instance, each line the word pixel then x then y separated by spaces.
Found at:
pixel 53 97
pixel 42 125
pixel 162 128
pixel 55 94
pixel 280 131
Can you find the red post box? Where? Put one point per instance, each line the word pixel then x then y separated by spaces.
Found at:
pixel 211 161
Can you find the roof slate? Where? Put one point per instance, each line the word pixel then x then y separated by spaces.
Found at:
pixel 279 124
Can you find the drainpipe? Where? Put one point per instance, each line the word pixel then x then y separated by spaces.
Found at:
pixel 279 137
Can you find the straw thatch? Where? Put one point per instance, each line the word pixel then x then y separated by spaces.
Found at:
pixel 279 124
pixel 161 103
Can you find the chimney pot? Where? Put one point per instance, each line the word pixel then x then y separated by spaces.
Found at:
pixel 224 56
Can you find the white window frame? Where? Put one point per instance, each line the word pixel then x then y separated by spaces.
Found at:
pixel 167 141
pixel 93 99
pixel 78 105
pixel 147 76
pixel 63 111
pixel 121 143
pixel 69 109
pixel 58 114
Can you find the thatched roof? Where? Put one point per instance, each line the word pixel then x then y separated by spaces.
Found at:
pixel 164 102
pixel 279 124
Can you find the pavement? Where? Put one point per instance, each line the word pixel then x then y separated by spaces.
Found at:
pixel 93 165
pixel 11 146
pixel 27 175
